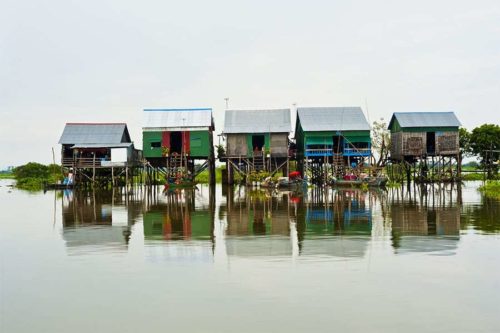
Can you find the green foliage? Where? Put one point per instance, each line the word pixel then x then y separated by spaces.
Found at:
pixel 257 176
pixel 204 177
pixel 31 170
pixel 221 152
pixel 485 137
pixel 472 176
pixel 6 175
pixel 491 189
pixel 464 138
pixel 33 175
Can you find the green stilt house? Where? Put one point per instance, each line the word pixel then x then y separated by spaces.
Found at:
pixel 173 139
pixel 338 136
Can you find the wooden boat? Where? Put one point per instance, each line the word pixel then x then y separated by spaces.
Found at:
pixel 47 187
pixel 283 183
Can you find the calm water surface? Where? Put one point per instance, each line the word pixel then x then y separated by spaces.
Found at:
pixel 231 260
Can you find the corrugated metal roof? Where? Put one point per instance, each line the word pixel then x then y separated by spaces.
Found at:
pixel 98 133
pixel 103 145
pixel 315 119
pixel 167 118
pixel 257 121
pixel 425 119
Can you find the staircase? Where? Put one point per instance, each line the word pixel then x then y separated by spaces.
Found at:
pixel 338 165
pixel 258 161
pixel 173 165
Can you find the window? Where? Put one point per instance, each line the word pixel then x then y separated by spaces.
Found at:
pixel 155 144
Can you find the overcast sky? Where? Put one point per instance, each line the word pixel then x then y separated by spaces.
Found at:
pixel 104 61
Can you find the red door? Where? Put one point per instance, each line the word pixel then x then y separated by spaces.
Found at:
pixel 165 142
pixel 185 142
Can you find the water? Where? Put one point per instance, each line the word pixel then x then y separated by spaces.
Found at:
pixel 232 261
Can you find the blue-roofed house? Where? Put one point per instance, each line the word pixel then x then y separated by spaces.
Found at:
pixel 422 134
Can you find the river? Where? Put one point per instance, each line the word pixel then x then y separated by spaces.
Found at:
pixel 238 260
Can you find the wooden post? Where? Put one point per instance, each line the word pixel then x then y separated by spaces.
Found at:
pixel 93 171
pixel 126 178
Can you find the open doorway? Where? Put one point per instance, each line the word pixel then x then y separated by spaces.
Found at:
pixel 258 142
pixel 431 143
pixel 338 144
pixel 176 142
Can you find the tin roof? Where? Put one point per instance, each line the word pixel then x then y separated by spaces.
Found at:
pixel 102 145
pixel 169 118
pixel 95 133
pixel 425 119
pixel 313 119
pixel 257 121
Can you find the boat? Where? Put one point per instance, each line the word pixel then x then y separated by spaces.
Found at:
pixel 283 183
pixel 58 186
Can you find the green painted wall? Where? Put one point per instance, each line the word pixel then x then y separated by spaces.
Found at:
pixel 267 138
pixel 147 139
pixel 313 137
pixel 199 143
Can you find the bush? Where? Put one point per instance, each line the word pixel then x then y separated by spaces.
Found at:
pixel 491 189
pixel 33 175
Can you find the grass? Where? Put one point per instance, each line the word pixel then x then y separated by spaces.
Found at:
pixel 6 175
pixel 491 189
pixel 472 176
pixel 203 177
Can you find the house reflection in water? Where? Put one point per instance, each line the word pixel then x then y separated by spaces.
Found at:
pixel 427 222
pixel 258 222
pixel 97 221
pixel 329 223
pixel 178 225
pixel 335 223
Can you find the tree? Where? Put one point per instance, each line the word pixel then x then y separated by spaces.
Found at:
pixel 464 145
pixel 381 141
pixel 483 140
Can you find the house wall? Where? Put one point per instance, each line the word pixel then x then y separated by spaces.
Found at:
pixel 408 144
pixel 236 145
pixel 279 144
pixel 240 144
pixel 199 143
pixel 415 143
pixel 147 139
pixel 447 143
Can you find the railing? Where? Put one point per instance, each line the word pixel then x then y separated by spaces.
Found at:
pixel 319 152
pixel 83 162
pixel 357 151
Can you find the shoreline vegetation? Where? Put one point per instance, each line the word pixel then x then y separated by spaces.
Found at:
pixel 32 177
pixel 491 189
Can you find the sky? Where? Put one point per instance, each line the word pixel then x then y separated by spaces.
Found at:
pixel 105 61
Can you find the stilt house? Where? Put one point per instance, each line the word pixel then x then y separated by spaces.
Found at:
pixel 257 140
pixel 421 134
pixel 251 131
pixel 324 132
pixel 174 138
pixel 99 145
